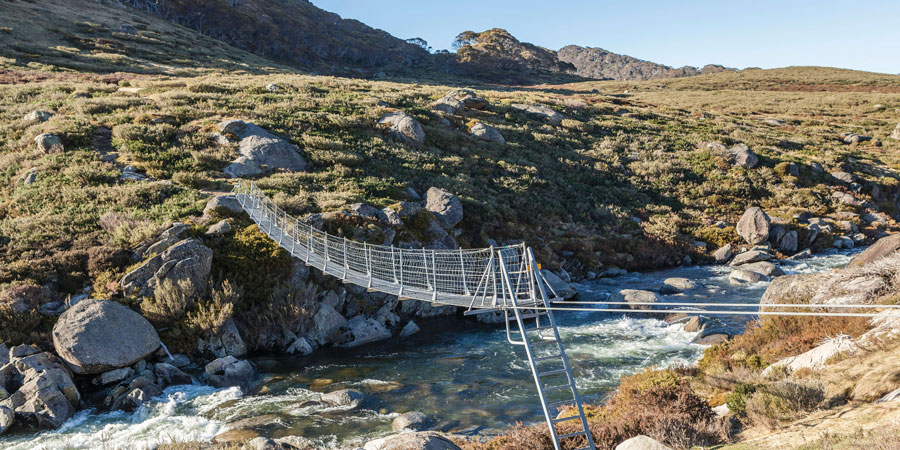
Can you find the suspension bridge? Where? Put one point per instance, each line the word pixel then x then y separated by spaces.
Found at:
pixel 504 279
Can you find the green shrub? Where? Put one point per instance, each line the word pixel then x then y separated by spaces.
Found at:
pixel 737 399
pixel 239 256
pixel 783 401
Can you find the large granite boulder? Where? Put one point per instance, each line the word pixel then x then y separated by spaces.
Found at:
pixel 404 127
pixel 327 325
pixel 883 247
pixel 261 151
pixel 95 336
pixel 637 298
pixel 187 260
pixel 412 441
pixel 754 226
pixel 540 112
pixel 445 206
pixel 222 206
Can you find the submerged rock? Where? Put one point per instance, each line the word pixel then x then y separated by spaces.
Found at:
pixel 415 421
pixel 344 398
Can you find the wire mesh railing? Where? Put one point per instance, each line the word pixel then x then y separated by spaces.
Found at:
pixel 462 277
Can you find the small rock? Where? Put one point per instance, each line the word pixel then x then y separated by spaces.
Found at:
pixel 896 133
pixel 364 330
pixel 694 324
pixel 844 177
pixel 743 156
pixel 486 133
pixel 404 127
pixel 447 104
pixel 754 225
pixel 673 285
pixel 817 168
pixel 37 116
pixel 750 256
pixel 272 87
pixel 853 138
pixel 222 206
pixel 128 29
pixel 300 347
pixel 169 375
pixel 843 242
pixel 722 410
pixel 412 194
pixel 409 329
pixel 764 268
pixel 788 242
pixel 539 111
pixel 7 417
pixel 636 296
pixel 344 398
pixel 741 276
pixel 219 228
pixel 415 421
pixel 180 361
pixel 723 254
pixel 49 143
pixel 130 173
pixel 412 441
pixel 713 339
pixel 557 285
pixel 445 206
pixel 642 443
pixel 113 376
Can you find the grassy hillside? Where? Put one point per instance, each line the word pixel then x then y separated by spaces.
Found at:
pixel 623 181
pixel 87 36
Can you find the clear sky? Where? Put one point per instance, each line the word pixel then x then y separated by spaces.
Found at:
pixel 862 34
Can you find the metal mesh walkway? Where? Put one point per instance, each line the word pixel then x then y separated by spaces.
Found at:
pixel 468 278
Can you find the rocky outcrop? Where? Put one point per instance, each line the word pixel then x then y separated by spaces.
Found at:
pixel 487 133
pixel 49 143
pixel 188 260
pixel 605 65
pixel 817 357
pixel 261 151
pixel 754 226
pixel 445 206
pixel 540 112
pixel 43 394
pixel 403 127
pixel 412 441
pixel 95 336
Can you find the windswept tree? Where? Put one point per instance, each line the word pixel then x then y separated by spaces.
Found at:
pixel 420 42
pixel 463 39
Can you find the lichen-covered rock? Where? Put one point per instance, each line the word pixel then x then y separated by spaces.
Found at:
pixel 676 284
pixel 883 247
pixel 743 156
pixel 49 143
pixel 722 254
pixel 37 116
pixel 95 336
pixel 486 133
pixel 540 112
pixel 750 256
pixel 896 133
pixel 741 276
pixel 404 127
pixel 754 226
pixel 637 298
pixel 261 151
pixel 188 260
pixel 46 396
pixel 445 206
pixel 327 325
pixel 642 443
pixel 222 206
pixel 219 228
pixel 363 330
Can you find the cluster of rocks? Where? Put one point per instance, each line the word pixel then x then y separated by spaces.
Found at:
pixel 739 154
pixel 261 152
pixel 171 259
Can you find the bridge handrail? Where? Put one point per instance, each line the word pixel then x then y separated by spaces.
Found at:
pixel 461 277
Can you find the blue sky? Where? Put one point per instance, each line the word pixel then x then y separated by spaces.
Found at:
pixel 863 34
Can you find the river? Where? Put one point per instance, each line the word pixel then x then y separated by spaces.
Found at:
pixel 462 374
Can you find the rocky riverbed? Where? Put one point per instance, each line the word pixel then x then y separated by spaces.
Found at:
pixel 461 376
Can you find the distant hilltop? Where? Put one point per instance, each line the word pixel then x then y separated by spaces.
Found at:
pixel 606 65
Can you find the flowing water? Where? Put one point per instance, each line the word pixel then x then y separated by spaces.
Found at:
pixel 462 374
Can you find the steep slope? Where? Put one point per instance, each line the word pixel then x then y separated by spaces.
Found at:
pixel 91 36
pixel 605 65
pixel 296 32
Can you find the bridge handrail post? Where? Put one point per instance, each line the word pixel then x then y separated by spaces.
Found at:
pixel 462 268
pixel 346 263
pixel 434 276
pixel 401 272
pixel 368 252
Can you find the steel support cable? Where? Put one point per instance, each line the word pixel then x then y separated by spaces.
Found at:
pixel 739 305
pixel 711 312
